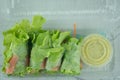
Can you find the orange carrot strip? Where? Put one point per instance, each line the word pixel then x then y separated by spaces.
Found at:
pixel 81 65
pixel 74 32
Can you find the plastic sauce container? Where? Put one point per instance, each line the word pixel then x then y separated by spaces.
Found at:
pixel 96 50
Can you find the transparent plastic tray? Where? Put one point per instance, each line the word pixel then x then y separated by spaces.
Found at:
pixel 91 16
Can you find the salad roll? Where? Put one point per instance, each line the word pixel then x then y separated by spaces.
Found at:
pixel 56 53
pixel 16 49
pixel 40 51
pixel 71 61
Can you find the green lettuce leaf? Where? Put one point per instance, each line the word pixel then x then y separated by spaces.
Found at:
pixel 38 21
pixel 54 59
pixel 44 40
pixel 58 41
pixel 36 27
pixel 55 34
pixel 37 57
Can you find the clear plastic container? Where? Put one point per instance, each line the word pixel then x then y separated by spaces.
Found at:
pixel 91 16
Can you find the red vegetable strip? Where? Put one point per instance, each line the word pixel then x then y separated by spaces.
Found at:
pixel 12 62
pixel 27 61
pixel 56 68
pixel 43 65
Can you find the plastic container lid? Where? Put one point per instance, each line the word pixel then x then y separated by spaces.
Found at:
pixel 96 50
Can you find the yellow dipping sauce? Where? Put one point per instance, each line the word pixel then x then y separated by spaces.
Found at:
pixel 96 50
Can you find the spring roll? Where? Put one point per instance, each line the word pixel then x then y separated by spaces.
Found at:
pixel 56 53
pixel 40 51
pixel 71 61
pixel 16 49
